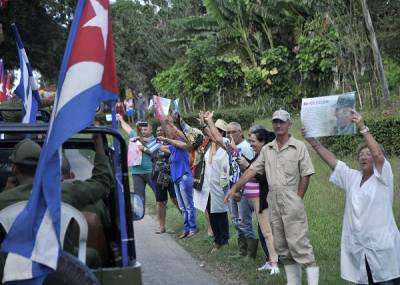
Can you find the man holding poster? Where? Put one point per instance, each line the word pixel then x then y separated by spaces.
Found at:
pixel 328 115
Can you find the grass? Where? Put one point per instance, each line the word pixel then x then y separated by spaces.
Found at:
pixel 324 205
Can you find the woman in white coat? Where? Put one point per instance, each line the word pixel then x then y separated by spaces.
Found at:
pixel 216 183
pixel 370 246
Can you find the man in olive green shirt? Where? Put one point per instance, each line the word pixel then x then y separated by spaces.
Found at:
pixel 84 195
pixel 76 193
pixel 288 168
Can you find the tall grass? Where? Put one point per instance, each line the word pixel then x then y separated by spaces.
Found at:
pixel 324 204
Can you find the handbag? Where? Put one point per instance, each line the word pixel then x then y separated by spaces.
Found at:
pixel 163 179
pixel 198 171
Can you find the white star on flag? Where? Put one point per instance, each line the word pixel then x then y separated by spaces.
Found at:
pixel 100 20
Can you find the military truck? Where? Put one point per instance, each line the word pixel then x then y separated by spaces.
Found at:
pixel 80 152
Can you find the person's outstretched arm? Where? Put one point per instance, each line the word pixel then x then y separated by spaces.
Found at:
pixel 177 143
pixel 372 144
pixel 246 177
pixel 323 152
pixel 218 138
pixel 125 126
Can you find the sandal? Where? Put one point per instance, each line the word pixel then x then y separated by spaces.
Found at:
pixel 183 235
pixel 161 231
pixel 190 234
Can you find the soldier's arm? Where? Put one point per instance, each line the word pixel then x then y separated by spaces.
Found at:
pixel 83 193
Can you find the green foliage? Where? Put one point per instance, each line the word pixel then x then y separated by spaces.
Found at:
pixel 392 70
pixel 202 76
pixel 43 26
pixel 317 53
pixel 380 126
pixel 277 60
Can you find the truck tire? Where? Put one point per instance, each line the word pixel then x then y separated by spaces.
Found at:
pixel 71 271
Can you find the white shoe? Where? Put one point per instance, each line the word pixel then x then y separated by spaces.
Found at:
pixel 274 270
pixel 266 266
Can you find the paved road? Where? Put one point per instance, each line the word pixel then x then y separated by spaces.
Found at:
pixel 164 261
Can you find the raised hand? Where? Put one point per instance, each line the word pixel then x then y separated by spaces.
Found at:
pixel 357 119
pixel 310 140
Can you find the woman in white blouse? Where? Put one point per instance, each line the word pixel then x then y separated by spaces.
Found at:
pixel 370 247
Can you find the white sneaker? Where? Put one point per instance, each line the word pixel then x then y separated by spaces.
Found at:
pixel 266 266
pixel 274 270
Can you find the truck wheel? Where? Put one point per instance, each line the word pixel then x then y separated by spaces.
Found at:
pixel 71 271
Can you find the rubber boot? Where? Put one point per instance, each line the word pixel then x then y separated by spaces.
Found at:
pixel 242 246
pixel 312 275
pixel 252 246
pixel 293 274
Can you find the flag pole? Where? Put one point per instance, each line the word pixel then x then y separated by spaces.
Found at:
pixel 121 199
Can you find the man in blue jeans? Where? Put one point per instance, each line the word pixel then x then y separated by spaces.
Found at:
pixel 141 174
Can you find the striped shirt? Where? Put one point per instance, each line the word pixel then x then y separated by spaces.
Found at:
pixel 252 189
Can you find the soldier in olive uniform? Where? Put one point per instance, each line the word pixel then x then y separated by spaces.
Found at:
pixel 76 193
pixel 343 114
pixel 82 195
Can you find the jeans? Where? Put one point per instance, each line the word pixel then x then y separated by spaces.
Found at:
pixel 140 115
pixel 184 195
pixel 241 214
pixel 371 282
pixel 139 184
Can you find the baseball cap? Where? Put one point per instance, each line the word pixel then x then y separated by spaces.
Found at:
pixel 221 124
pixel 281 115
pixel 26 152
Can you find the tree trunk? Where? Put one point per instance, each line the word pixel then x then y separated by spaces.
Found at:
pixel 219 89
pixel 376 52
pixel 186 104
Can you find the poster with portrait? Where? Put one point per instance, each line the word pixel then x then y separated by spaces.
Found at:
pixel 328 115
pixel 161 107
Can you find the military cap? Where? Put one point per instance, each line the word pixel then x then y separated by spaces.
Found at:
pixel 345 100
pixel 281 115
pixel 26 152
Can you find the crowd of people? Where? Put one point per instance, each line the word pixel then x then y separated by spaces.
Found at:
pixel 213 168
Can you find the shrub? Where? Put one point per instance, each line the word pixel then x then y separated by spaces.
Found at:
pixel 383 129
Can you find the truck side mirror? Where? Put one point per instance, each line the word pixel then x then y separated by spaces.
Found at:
pixel 137 206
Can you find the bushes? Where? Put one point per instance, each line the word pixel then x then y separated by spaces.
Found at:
pixel 384 130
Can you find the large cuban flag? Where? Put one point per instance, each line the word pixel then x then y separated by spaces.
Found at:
pixel 87 77
pixel 27 88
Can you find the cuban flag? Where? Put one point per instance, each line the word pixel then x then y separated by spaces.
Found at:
pixel 87 78
pixel 3 96
pixel 8 87
pixel 27 88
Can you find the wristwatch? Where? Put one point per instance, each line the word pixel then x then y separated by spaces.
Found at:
pixel 364 130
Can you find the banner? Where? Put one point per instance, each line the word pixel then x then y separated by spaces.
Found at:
pixel 161 107
pixel 328 115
